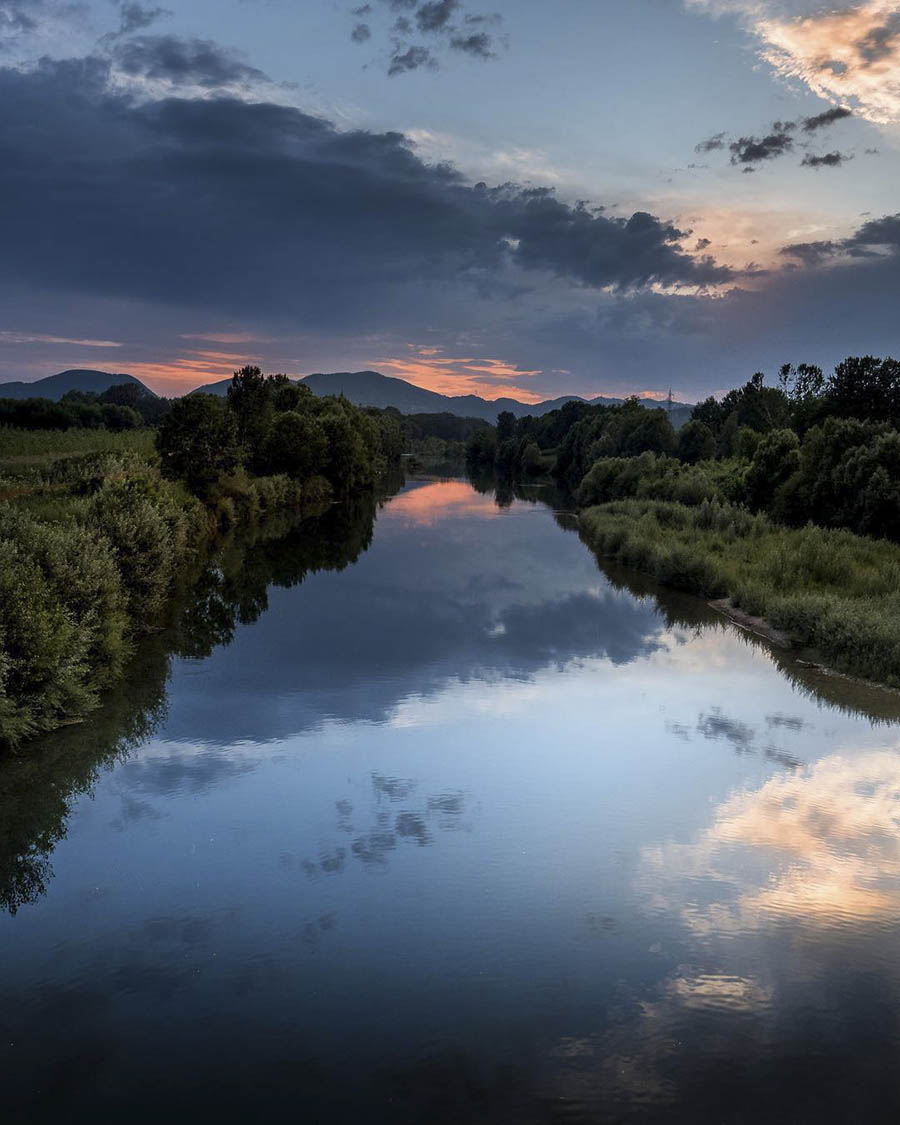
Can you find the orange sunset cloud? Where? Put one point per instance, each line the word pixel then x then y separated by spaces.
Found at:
pixel 448 375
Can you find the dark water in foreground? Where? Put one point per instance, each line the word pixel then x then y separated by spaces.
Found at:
pixel 465 830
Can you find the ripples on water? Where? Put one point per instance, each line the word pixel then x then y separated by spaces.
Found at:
pixel 448 824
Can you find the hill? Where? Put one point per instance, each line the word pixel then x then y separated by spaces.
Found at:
pixel 370 388
pixel 76 379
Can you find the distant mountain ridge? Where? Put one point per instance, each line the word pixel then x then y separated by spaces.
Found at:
pixel 364 388
pixel 371 388
pixel 75 379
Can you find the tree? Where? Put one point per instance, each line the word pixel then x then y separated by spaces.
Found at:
pixel 197 441
pixel 506 426
pixel 296 444
pixel 866 388
pixel 117 417
pixel 696 443
pixel 348 465
pixel 757 406
pixel 652 434
pixel 801 382
pixel 481 448
pixel 250 400
pixel 150 407
pixel 530 459
pixel 710 413
pixel 287 395
pixel 776 459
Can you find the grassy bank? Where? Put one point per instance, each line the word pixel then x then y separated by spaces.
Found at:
pixel 832 592
pixel 94 545
pixel 101 525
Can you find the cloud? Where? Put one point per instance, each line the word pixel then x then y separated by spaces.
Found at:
pixel 876 238
pixel 477 43
pixel 405 59
pixel 435 15
pixel 711 144
pixel 836 113
pixel 184 62
pixel 40 338
pixel 135 17
pixel 779 141
pixel 828 160
pixel 206 195
pixel 441 22
pixel 21 19
pixel 753 150
pixel 844 55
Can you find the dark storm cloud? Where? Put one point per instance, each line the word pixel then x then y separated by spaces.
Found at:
pixel 361 33
pixel 811 124
pixel 184 62
pixel 258 207
pixel 884 232
pixel 827 160
pixel 877 239
pixel 810 253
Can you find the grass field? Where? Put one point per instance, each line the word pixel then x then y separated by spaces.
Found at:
pixel 832 592
pixel 27 448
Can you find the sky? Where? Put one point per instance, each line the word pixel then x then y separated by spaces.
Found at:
pixel 500 197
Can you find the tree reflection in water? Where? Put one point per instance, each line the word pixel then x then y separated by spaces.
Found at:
pixel 39 786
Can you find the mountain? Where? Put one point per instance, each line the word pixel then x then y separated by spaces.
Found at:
pixel 370 388
pixel 77 379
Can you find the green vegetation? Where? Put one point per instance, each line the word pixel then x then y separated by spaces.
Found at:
pixel 37 789
pixel 99 530
pixel 36 450
pixel 126 406
pixel 802 465
pixel 833 592
pixel 440 439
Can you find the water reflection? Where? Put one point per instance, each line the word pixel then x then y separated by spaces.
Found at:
pixel 826 839
pixel 38 787
pixel 473 830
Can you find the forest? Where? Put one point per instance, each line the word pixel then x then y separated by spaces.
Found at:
pixel 783 500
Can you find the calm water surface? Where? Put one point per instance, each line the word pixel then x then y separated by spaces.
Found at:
pixel 452 826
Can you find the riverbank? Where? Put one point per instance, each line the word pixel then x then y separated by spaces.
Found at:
pixel 831 595
pixel 95 546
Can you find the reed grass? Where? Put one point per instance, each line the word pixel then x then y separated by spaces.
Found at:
pixel 832 592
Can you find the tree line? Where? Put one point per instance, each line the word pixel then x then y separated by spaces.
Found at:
pixel 813 448
pixel 94 548
pixel 125 406
pixel 269 425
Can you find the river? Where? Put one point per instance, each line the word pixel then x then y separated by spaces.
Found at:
pixel 415 813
